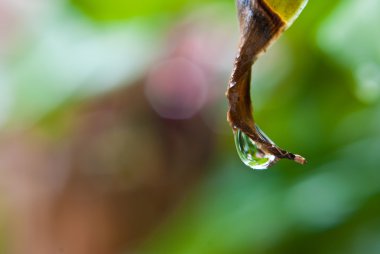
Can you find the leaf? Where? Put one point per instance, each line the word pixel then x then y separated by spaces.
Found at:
pixel 261 22
pixel 288 10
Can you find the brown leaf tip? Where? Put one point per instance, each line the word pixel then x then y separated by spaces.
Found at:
pixel 299 159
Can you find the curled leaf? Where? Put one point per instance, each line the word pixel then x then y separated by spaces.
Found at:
pixel 261 22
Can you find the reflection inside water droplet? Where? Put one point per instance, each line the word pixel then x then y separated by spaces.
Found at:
pixel 250 153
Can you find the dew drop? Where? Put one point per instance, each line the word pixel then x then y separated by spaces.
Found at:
pixel 250 153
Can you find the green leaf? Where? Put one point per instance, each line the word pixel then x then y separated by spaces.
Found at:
pixel 288 10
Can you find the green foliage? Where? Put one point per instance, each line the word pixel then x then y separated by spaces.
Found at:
pixel 119 9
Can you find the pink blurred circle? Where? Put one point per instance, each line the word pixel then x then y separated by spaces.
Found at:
pixel 176 88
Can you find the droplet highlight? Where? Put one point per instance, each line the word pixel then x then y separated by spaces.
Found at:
pixel 250 152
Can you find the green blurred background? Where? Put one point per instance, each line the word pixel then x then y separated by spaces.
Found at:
pixel 162 67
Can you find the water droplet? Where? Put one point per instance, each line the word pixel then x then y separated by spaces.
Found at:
pixel 250 153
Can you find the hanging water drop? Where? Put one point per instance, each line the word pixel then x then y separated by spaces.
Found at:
pixel 251 153
pixel 261 23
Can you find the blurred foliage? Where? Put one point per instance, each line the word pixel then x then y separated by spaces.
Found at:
pixel 316 92
pixel 120 10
